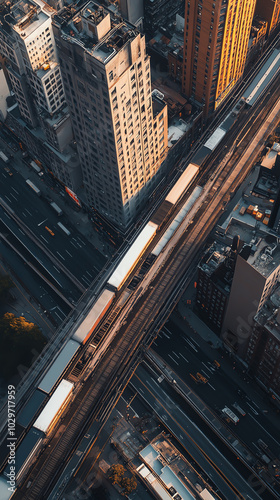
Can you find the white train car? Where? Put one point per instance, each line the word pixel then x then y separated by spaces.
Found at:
pixel 182 184
pixel 94 316
pixel 51 412
pixel 133 255
pixel 215 138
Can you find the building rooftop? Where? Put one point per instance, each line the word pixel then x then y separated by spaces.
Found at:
pixel 27 16
pixel 266 257
pixel 218 263
pixel 96 29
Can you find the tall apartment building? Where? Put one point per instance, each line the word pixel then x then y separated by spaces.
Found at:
pixel 215 273
pixel 263 353
pixel 28 47
pixel 270 11
pixel 215 47
pixel 121 131
pixel 255 277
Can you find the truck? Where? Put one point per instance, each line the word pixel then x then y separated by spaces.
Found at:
pixel 229 414
pixel 32 185
pixel 4 157
pixel 56 208
pixel 64 229
pixel 36 167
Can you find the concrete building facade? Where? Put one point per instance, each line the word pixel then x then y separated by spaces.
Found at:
pixel 255 277
pixel 270 11
pixel 121 131
pixel 263 353
pixel 215 48
pixel 41 119
pixel 215 272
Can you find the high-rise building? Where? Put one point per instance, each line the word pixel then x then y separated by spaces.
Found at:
pixel 263 353
pixel 27 43
pixel 256 273
pixel 121 131
pixel 41 119
pixel 215 273
pixel 270 11
pixel 215 47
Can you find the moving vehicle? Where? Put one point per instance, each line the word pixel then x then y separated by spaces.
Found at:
pixel 32 185
pixel 229 414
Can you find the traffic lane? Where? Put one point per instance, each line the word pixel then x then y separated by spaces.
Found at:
pixel 187 359
pixel 33 254
pixel 37 214
pixel 49 302
pixel 187 433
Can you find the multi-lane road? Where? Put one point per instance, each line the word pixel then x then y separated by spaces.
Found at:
pixel 182 351
pixel 64 266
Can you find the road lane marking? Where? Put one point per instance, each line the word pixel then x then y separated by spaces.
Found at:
pixel 60 255
pixel 207 367
pixel 173 359
pixel 211 386
pixel 165 334
pixel 252 408
pixel 195 342
pixel 184 358
pixel 167 330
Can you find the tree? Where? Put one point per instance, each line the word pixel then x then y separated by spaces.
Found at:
pixel 116 473
pixel 19 339
pixel 128 484
pixel 5 285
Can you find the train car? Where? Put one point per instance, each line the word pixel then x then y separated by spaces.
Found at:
pixel 54 407
pixel 94 316
pixel 132 256
pixel 262 79
pixel 182 184
pixel 177 221
pixel 31 409
pixel 58 366
pixel 26 453
pixel 215 138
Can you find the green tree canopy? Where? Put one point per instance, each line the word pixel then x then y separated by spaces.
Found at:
pixel 19 340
